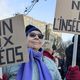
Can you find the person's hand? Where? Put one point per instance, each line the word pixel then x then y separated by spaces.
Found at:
pixel 4 77
pixel 73 73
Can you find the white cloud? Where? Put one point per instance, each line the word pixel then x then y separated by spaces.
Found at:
pixel 67 36
pixel 9 7
pixel 4 9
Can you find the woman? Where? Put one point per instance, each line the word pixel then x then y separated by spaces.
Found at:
pixel 38 67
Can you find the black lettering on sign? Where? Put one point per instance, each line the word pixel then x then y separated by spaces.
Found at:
pixel 19 53
pixel 60 23
pixel 11 55
pixel 73 25
pixel 76 4
pixel 8 40
pixel 78 26
pixel 2 57
pixel 6 26
pixel 69 24
pixel 54 24
pixel 63 24
pixel 10 51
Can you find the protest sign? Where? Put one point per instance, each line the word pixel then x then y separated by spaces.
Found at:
pixel 67 16
pixel 67 19
pixel 12 41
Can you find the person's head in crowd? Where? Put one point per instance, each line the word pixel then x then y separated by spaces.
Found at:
pixel 47 46
pixel 54 48
pixel 34 37
pixel 69 53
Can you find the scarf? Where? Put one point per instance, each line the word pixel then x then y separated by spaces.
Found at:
pixel 25 71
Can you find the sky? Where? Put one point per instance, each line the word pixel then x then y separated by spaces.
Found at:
pixel 44 10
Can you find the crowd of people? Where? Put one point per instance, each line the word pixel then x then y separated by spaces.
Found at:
pixel 44 63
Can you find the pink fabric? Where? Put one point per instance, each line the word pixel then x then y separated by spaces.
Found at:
pixel 47 54
pixel 4 77
pixel 73 73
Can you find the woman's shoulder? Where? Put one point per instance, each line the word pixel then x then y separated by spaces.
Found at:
pixel 50 63
pixel 52 68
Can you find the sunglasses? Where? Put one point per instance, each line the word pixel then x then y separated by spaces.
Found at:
pixel 40 36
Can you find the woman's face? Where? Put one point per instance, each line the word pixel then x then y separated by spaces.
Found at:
pixel 34 40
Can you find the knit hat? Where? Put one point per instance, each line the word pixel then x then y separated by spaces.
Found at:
pixel 30 28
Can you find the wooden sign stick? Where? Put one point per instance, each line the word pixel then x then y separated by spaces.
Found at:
pixel 75 50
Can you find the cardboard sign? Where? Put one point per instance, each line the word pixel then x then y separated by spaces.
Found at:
pixel 67 16
pixel 12 41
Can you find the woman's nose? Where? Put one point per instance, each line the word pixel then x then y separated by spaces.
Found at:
pixel 36 36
